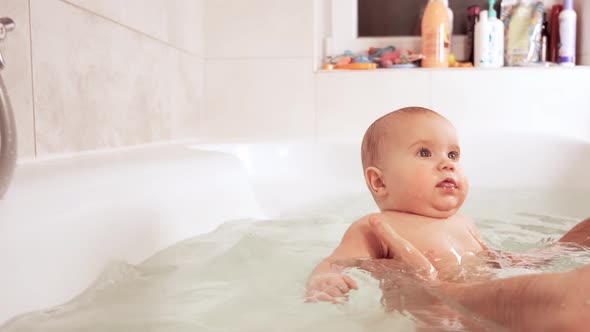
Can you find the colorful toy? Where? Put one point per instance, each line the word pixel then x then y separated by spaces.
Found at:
pixel 398 57
pixel 386 57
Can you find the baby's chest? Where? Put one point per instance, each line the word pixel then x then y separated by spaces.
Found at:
pixel 446 246
pixel 449 250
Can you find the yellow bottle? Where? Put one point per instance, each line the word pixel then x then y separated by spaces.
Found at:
pixel 435 35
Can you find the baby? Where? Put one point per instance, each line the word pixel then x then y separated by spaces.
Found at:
pixel 411 161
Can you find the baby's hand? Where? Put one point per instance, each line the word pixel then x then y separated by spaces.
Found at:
pixel 329 287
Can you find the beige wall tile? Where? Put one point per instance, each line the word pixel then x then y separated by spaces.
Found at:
pixel 259 28
pixel 259 99
pixel 178 22
pixel 348 102
pixel 16 51
pixel 100 85
pixel 185 95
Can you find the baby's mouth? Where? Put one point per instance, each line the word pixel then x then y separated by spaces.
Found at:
pixel 447 183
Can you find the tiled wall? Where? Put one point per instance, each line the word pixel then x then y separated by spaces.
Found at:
pixel 85 75
pixel 259 69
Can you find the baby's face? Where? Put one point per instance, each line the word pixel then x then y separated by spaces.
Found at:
pixel 421 168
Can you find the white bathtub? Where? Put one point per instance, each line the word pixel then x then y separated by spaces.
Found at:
pixel 64 219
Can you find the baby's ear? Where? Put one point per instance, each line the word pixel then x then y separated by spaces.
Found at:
pixel 374 179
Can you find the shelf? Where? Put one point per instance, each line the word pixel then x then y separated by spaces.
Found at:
pixel 581 69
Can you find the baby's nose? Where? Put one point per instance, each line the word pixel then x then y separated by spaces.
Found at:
pixel 446 165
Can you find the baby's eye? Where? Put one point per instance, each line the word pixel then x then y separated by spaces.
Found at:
pixel 424 153
pixel 454 155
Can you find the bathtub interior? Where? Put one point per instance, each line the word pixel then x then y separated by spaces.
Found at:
pixel 64 219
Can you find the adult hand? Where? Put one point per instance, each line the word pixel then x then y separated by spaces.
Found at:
pixel 402 249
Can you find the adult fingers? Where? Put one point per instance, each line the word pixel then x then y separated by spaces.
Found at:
pixel 383 231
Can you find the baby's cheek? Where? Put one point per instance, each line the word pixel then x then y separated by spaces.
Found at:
pixel 423 174
pixel 423 180
pixel 466 189
pixel 407 188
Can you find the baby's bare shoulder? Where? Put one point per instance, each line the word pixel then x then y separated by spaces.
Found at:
pixel 361 225
pixel 359 241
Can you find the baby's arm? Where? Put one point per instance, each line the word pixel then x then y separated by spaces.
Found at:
pixel 326 282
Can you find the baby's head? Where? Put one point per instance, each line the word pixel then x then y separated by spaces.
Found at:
pixel 411 163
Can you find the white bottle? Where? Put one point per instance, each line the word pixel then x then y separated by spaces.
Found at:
pixel 567 34
pixel 481 41
pixel 489 39
pixel 496 39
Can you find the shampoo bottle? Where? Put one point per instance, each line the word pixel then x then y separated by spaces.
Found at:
pixel 451 22
pixel 567 34
pixel 489 39
pixel 481 41
pixel 472 18
pixel 435 35
pixel 496 38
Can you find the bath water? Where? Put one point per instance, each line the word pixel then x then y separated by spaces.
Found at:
pixel 250 275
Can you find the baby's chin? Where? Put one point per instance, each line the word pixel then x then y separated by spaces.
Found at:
pixel 439 214
pixel 432 206
pixel 438 211
pixel 444 208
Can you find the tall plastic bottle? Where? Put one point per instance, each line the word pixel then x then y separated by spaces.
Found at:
pixel 472 18
pixel 435 35
pixel 567 34
pixel 481 41
pixel 451 22
pixel 496 38
pixel 489 39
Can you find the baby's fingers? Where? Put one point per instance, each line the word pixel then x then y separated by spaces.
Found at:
pixel 336 290
pixel 341 285
pixel 323 296
pixel 350 283
pixel 320 296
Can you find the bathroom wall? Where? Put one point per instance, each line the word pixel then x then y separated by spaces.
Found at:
pixel 86 75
